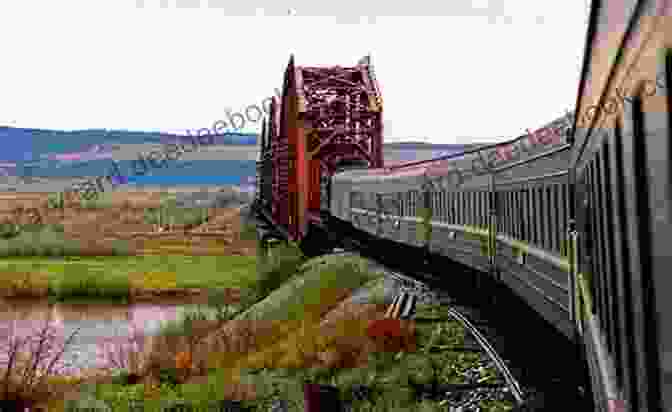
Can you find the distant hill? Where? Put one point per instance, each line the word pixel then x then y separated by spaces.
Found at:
pixel 35 157
pixel 22 144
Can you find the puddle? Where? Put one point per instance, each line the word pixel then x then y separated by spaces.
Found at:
pixel 99 323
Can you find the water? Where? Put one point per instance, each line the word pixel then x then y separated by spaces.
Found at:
pixel 99 323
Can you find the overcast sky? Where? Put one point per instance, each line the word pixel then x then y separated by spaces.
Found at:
pixel 474 71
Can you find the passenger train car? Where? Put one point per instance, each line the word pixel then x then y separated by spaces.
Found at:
pixel 578 223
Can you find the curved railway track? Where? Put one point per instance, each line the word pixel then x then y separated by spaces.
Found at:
pixel 511 381
pixel 515 388
pixel 504 348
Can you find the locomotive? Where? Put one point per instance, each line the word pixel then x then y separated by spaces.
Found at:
pixel 577 227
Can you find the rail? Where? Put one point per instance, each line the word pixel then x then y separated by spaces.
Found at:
pixel 511 382
pixel 404 304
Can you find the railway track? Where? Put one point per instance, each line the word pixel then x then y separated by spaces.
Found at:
pixel 532 383
pixel 480 343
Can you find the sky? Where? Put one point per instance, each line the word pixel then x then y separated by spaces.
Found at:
pixel 450 72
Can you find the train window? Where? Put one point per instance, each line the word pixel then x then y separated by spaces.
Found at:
pixel 461 210
pixel 467 208
pixel 355 200
pixel 504 208
pixel 472 208
pixel 478 208
pixel 483 208
pixel 485 195
pixel 509 212
pixel 560 211
pixel 552 216
pixel 400 203
pixel 539 216
pixel 538 212
pixel 516 214
pixel 524 198
pixel 548 221
pixel 534 215
pixel 531 218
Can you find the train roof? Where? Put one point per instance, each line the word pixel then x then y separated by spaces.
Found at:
pixel 401 178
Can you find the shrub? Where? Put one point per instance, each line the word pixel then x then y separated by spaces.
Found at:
pixel 91 285
pixel 9 229
pixel 169 213
pixel 31 362
pixel 56 201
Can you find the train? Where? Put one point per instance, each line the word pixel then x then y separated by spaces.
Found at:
pixel 578 226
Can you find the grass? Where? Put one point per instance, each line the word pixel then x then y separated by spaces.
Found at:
pixel 116 277
pixel 276 356
pixel 169 213
pixel 37 239
pixel 310 287
pixel 50 241
pixel 59 200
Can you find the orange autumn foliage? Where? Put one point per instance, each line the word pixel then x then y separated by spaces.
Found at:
pixel 391 334
pixel 183 360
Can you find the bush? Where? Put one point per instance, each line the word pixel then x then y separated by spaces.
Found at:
pixel 100 203
pixel 170 214
pixel 90 285
pixel 9 229
pixel 56 201
pixel 31 362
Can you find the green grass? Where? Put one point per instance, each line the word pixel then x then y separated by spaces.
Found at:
pixel 56 201
pixel 110 276
pixel 49 240
pixel 169 213
pixel 101 201
pixel 309 286
pixel 282 263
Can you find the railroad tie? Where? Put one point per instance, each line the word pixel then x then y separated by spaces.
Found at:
pixel 409 308
pixel 402 307
pixel 390 309
pixel 403 298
